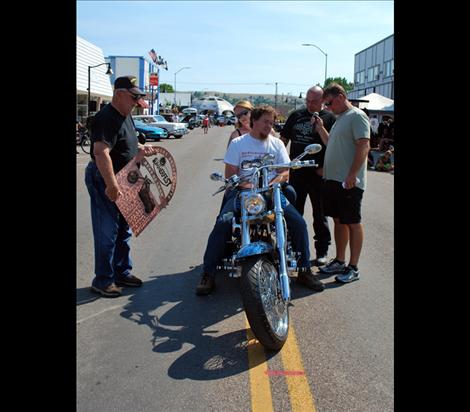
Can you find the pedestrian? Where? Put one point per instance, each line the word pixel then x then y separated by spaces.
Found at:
pixel 384 163
pixel 205 124
pixel 308 181
pixel 250 146
pixel 113 144
pixel 384 134
pixel 78 135
pixel 344 170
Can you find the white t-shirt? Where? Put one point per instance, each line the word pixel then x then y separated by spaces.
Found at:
pixel 246 147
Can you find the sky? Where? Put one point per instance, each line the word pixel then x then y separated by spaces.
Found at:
pixel 239 46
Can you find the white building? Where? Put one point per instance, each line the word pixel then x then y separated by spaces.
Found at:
pixel 374 70
pixel 100 84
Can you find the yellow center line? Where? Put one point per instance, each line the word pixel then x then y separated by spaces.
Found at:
pixel 261 398
pixel 301 399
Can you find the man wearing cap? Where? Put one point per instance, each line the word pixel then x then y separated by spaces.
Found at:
pixel 113 144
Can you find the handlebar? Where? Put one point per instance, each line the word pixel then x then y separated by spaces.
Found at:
pixel 235 180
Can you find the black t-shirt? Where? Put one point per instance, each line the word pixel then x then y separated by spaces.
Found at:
pixel 301 133
pixel 118 132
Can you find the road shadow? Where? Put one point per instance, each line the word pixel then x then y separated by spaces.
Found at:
pixel 86 295
pixel 168 306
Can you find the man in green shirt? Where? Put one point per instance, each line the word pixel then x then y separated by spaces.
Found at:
pixel 344 171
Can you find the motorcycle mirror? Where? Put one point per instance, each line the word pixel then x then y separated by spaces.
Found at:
pixel 216 176
pixel 313 148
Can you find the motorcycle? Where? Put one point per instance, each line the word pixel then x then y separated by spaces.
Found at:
pixel 261 253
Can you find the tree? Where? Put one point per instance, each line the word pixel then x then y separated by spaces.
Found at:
pixel 341 81
pixel 166 88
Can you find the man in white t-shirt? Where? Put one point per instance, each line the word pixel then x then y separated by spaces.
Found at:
pixel 250 146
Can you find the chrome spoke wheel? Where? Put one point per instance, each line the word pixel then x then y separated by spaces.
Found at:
pixel 274 306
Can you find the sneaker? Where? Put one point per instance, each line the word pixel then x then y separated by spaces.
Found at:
pixel 110 291
pixel 347 275
pixel 307 278
pixel 129 280
pixel 320 260
pixel 206 284
pixel 335 266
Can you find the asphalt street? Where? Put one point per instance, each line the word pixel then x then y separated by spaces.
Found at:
pixel 162 348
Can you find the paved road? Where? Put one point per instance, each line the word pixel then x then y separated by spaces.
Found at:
pixel 162 348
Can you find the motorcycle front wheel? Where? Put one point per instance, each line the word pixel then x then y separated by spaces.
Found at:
pixel 267 313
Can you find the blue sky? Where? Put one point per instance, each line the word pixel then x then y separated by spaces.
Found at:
pixel 238 46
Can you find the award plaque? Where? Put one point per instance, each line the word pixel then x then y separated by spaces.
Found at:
pixel 147 189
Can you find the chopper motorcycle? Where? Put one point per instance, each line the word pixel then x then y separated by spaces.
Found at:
pixel 261 254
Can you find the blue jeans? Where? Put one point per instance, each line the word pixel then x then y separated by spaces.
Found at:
pixel 111 232
pixel 222 232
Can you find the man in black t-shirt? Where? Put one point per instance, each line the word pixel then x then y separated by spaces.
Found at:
pixel 300 131
pixel 113 144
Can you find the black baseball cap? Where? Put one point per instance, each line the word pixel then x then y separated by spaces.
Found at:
pixel 129 83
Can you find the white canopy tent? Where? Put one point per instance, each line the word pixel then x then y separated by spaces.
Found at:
pixel 377 103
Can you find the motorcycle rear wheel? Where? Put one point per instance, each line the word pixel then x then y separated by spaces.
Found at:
pixel 267 313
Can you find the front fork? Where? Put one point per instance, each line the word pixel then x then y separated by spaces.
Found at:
pixel 281 243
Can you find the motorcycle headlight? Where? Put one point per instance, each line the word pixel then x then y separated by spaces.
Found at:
pixel 255 204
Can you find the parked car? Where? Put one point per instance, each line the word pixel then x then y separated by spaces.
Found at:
pixel 192 121
pixel 231 119
pixel 189 110
pixel 177 130
pixel 168 117
pixel 150 132
pixel 220 120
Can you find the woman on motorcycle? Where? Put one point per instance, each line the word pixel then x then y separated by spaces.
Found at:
pixel 242 111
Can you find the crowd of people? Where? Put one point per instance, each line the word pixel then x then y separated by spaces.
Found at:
pixel 335 188
pixel 382 145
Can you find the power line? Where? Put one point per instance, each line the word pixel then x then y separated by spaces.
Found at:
pixel 247 84
pixel 244 84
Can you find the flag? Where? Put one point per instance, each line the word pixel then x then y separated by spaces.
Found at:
pixel 153 55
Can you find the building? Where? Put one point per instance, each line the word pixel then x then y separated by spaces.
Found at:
pixel 136 66
pixel 101 91
pixel 139 67
pixel 374 70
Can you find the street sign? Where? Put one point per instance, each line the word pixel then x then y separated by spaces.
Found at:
pixel 153 79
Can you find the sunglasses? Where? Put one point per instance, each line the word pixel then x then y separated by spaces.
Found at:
pixel 242 113
pixel 327 104
pixel 135 96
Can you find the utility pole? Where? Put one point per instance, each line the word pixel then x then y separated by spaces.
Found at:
pixel 275 98
pixel 158 61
